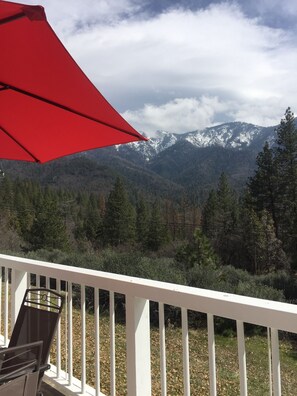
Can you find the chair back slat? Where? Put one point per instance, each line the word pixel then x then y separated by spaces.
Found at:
pixel 19 369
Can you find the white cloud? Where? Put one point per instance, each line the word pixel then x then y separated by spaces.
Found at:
pixel 68 17
pixel 179 115
pixel 181 69
pixel 189 114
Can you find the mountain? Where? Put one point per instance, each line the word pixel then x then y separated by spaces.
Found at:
pixel 168 165
pixel 233 135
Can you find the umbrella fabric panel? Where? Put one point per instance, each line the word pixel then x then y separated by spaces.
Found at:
pixel 49 108
pixel 34 60
pixel 48 132
pixel 9 9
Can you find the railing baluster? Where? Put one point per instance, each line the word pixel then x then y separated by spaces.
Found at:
pixel 112 345
pixel 38 286
pixel 1 313
pixel 47 286
pixel 162 350
pixel 83 337
pixel 97 342
pixel 6 307
pixel 69 334
pixel 275 363
pixel 269 361
pixel 138 294
pixel 211 356
pixel 66 327
pixel 241 358
pixel 185 339
pixel 58 343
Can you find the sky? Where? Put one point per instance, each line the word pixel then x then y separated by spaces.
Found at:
pixel 184 65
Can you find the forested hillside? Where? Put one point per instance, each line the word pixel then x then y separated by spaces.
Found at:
pixel 239 240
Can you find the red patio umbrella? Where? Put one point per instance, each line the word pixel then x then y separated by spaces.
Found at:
pixel 48 107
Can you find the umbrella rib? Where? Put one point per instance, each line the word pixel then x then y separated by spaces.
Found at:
pixel 19 144
pixel 12 18
pixel 53 103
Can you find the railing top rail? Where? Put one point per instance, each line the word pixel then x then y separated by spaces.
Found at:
pixel 268 313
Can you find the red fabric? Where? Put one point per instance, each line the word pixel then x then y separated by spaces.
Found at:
pixel 34 60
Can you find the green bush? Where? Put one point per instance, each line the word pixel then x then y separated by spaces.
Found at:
pixel 283 281
pixel 221 278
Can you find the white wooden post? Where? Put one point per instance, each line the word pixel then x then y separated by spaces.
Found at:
pixel 242 358
pixel 138 346
pixel 211 356
pixel 276 374
pixel 19 283
pixel 186 357
pixel 162 331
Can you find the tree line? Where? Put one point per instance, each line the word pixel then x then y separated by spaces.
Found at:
pixel 256 230
pixel 34 217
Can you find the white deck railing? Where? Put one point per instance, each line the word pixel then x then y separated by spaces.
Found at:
pixel 17 275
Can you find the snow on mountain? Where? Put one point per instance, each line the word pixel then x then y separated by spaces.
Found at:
pixel 231 135
pixel 236 135
pixel 153 146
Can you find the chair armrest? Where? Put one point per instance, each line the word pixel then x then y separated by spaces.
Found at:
pixel 44 367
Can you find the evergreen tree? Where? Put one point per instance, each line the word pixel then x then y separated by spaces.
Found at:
pixel 286 157
pixel 119 218
pixel 92 222
pixel 264 185
pixel 262 248
pixel 6 194
pixel 48 230
pixel 274 185
pixel 198 252
pixel 157 233
pixel 24 210
pixel 219 220
pixel 209 215
pixel 142 222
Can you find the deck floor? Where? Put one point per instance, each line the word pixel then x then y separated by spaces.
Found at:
pixel 47 390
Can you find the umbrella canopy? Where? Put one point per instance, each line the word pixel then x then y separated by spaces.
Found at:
pixel 48 107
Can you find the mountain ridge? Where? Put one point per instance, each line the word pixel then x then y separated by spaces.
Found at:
pixel 167 166
pixel 234 135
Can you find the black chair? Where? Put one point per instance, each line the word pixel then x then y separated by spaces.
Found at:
pixel 19 369
pixel 37 321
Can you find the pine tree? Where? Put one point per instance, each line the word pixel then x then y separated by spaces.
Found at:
pixel 24 210
pixel 274 185
pixel 286 157
pixel 262 248
pixel 209 215
pixel 142 222
pixel 48 230
pixel 264 185
pixel 219 220
pixel 119 218
pixel 198 252
pixel 157 233
pixel 92 221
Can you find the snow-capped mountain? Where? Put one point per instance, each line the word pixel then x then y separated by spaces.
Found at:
pixel 234 135
pixel 153 146
pixel 168 165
